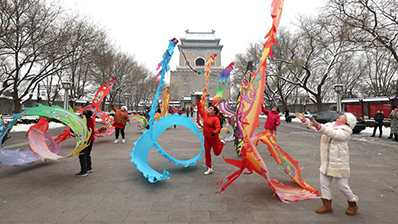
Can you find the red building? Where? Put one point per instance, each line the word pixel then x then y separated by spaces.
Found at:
pixel 368 107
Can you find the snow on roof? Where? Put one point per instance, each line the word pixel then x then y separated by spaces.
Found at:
pixel 374 99
pixel 200 35
pixel 351 100
pixel 371 99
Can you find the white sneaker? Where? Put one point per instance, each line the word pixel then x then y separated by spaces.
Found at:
pixel 209 171
pixel 116 141
pixel 123 140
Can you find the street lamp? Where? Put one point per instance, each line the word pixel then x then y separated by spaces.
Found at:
pixel 338 88
pixel 67 86
pixel 126 97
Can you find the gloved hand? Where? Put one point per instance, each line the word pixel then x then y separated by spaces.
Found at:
pixel 212 134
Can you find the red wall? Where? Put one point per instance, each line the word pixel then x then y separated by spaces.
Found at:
pixel 373 107
pixel 355 109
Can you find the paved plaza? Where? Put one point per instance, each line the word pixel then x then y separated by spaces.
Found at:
pixel 116 192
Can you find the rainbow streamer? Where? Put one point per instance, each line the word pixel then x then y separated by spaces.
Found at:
pixel 222 81
pixel 142 122
pixel 37 136
pixel 204 93
pixel 250 109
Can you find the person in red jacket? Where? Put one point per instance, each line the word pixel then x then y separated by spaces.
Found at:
pixel 273 119
pixel 84 157
pixel 211 130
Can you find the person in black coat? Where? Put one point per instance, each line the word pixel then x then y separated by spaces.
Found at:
pixel 288 119
pixel 379 118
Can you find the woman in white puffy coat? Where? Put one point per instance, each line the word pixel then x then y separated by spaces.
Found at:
pixel 335 157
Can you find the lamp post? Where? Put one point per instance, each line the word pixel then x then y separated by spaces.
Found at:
pixel 338 88
pixel 66 85
pixel 126 97
pixel 38 93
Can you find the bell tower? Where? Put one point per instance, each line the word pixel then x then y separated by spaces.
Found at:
pixel 194 49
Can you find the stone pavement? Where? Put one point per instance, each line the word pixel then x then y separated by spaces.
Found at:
pixel 116 192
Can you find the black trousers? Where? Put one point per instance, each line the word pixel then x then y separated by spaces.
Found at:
pixel 85 158
pixel 380 129
pixel 117 132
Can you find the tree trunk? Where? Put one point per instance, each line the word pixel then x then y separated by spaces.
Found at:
pixel 318 103
pixel 17 102
pixel 284 105
pixel 136 106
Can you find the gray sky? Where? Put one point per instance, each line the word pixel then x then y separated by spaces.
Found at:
pixel 143 27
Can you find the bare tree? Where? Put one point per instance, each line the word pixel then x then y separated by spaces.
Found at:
pixel 279 89
pixel 371 23
pixel 145 92
pixel 253 53
pixel 380 67
pixel 350 71
pixel 127 74
pixel 30 44
pixel 84 41
pixel 319 48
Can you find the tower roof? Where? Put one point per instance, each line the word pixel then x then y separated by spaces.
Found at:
pixel 200 35
pixel 200 40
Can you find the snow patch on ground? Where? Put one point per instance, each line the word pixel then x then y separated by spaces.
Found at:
pixel 25 127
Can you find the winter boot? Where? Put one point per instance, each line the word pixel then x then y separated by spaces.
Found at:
pixel 326 208
pixel 352 208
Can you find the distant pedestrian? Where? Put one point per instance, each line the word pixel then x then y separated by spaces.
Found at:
pixel 119 122
pixel 288 119
pixel 84 156
pixel 195 115
pixel 379 118
pixel 335 159
pixel 172 111
pixel 394 123
pixel 273 119
pixel 146 113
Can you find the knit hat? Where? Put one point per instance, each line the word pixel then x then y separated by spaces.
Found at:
pixel 351 120
pixel 124 107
